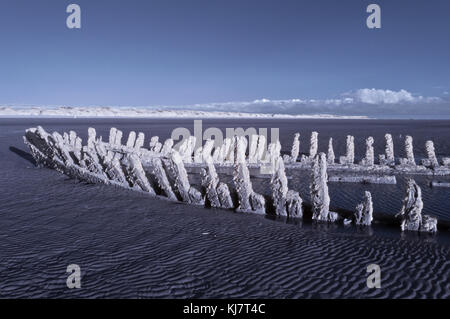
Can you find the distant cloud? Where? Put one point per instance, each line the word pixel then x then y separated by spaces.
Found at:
pixel 372 102
pixel 374 96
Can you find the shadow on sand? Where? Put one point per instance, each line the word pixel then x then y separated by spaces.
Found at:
pixel 23 154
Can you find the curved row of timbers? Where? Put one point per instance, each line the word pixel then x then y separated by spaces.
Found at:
pixel 160 171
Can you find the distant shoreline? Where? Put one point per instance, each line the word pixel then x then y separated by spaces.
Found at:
pixel 117 112
pixel 207 117
pixel 66 112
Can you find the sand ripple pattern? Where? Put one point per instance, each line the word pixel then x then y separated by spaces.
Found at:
pixel 130 246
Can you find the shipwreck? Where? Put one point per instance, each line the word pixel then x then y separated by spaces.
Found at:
pixel 160 170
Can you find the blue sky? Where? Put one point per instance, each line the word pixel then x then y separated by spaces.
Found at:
pixel 166 52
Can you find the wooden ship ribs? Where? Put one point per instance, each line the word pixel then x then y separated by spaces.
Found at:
pixel 161 170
